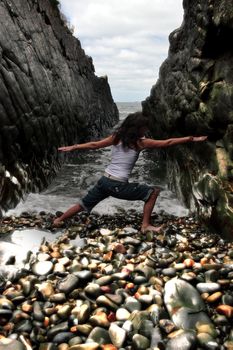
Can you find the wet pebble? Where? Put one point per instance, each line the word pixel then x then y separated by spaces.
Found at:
pixel 42 268
pixel 122 290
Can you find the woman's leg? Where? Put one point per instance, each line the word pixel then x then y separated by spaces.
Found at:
pixel 147 211
pixel 95 195
pixel 70 212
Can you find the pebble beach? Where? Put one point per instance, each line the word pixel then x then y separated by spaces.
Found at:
pixel 120 289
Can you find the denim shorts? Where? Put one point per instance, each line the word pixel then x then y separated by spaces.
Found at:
pixel 106 187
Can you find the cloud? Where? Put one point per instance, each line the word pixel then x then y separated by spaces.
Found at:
pixel 128 40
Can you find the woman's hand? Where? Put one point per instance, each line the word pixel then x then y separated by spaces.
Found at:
pixel 67 148
pixel 199 138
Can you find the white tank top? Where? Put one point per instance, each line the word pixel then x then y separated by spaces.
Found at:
pixel 122 162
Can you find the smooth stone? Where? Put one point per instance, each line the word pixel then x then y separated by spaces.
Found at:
pixel 170 272
pixel 146 329
pixel 128 326
pixel 102 300
pixel 63 346
pixel 139 342
pixel 54 319
pixel 214 297
pixel 132 241
pixel 115 298
pixel 46 289
pixel 75 340
pixel 104 280
pixel 64 311
pixel 19 315
pixel 61 327
pixel 109 347
pixel 64 261
pixel 137 317
pixel 43 256
pixel 9 344
pixel 187 340
pixel 220 320
pixel 129 231
pixel 105 232
pixel 84 329
pixel 23 326
pixel 83 313
pixel 207 328
pixel 167 325
pixel 189 276
pixel 117 335
pixel 184 304
pixel 146 299
pixel 99 320
pixel 122 314
pixel 59 268
pixel 6 303
pixel 208 287
pixel 99 335
pixel 63 337
pixel 42 268
pixel 228 344
pixel 156 337
pixel 68 284
pixel 27 284
pixel 227 299
pixel 146 270
pixel 37 312
pixel 154 311
pixel 5 314
pixel 207 341
pixel 84 261
pixel 211 276
pixel 93 290
pixel 132 304
pixel 58 298
pixel 179 266
pixel 140 280
pixel 226 310
pixel 84 275
pixel 120 275
pixel 158 299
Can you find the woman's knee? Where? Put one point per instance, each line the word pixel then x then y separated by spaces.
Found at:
pixel 155 192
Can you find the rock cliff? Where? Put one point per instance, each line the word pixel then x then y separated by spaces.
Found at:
pixel 194 96
pixel 49 95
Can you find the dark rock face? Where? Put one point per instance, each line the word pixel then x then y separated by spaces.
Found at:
pixel 49 95
pixel 194 96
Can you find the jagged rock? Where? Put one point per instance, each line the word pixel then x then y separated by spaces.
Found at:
pixel 194 96
pixel 49 96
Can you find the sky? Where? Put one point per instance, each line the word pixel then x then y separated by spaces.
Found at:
pixel 127 40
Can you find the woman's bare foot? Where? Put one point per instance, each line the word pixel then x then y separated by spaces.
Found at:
pixel 156 229
pixel 57 223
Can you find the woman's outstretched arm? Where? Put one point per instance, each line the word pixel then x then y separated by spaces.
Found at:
pixel 150 143
pixel 108 141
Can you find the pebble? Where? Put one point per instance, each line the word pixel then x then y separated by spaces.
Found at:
pixel 121 290
pixel 208 287
pixel 117 335
pixel 42 268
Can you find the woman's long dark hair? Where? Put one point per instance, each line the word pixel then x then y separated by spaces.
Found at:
pixel 130 130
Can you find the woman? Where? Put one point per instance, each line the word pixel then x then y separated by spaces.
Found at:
pixel 127 142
